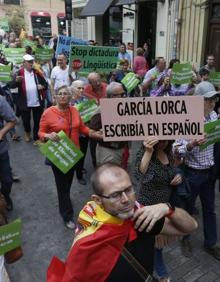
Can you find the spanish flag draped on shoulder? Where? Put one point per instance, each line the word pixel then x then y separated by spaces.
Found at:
pixel 98 243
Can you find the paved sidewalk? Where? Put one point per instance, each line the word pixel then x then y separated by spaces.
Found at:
pixel 6 277
pixel 201 267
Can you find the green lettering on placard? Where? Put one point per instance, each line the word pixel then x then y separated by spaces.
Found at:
pixel 212 130
pixel 214 78
pixel 10 236
pixel 63 154
pixel 181 74
pixel 130 81
pixel 86 109
pixel 14 55
pixel 43 54
pixel 5 73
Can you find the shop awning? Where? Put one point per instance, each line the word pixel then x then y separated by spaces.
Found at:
pixel 125 2
pixel 95 8
pixel 129 2
pixel 99 7
pixel 61 15
pixel 40 14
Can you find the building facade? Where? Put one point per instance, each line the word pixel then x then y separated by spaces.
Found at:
pixel 82 27
pixel 42 17
pixel 194 31
pixel 184 29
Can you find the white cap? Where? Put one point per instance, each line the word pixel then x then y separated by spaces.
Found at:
pixel 28 57
pixel 206 89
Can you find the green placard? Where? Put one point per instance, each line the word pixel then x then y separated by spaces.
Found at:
pixel 214 78
pixel 63 154
pixel 181 73
pixel 2 47
pixel 10 236
pixel 43 54
pixel 130 81
pixel 4 24
pixel 212 130
pixel 27 42
pixel 5 73
pixel 86 109
pixel 14 55
pixel 87 58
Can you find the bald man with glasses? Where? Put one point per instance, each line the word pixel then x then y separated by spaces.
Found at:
pixel 115 237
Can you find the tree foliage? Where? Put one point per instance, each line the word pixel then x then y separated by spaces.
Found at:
pixel 16 19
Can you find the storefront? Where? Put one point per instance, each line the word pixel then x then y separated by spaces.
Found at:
pixel 41 24
pixel 112 21
pixel 130 21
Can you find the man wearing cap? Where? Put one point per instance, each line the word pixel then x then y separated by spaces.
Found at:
pixel 199 170
pixel 31 94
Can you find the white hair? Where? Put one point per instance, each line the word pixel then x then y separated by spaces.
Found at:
pixel 110 89
pixel 77 83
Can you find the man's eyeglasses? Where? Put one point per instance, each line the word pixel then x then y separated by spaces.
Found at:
pixel 118 95
pixel 210 100
pixel 116 196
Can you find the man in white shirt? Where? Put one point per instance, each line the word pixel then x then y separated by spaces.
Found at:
pixel 31 94
pixel 60 74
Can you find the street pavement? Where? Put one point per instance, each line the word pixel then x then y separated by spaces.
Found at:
pixel 44 235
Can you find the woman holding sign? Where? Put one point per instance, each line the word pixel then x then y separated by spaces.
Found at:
pixel 158 178
pixel 66 118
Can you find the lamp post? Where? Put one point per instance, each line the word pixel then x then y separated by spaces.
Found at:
pixel 68 14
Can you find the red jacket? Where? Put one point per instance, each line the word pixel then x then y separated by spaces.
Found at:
pixel 39 79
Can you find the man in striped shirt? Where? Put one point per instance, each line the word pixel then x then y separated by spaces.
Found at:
pixel 199 170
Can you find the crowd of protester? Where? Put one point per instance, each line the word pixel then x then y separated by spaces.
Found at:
pixel 173 172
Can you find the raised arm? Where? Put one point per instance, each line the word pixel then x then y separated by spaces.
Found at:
pixel 149 149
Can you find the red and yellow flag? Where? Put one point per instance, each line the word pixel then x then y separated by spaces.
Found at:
pixel 98 243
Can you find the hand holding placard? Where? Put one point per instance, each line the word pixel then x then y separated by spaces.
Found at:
pixel 150 142
pixel 166 118
pixel 62 153
pixel 53 136
pixel 212 130
pixel 10 236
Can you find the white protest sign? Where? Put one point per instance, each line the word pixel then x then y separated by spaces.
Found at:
pixel 168 118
